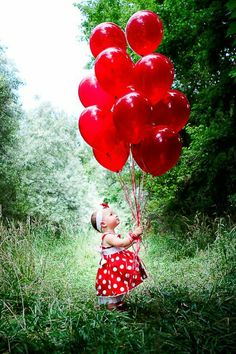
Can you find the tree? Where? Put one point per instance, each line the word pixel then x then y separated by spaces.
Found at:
pixel 203 58
pixel 55 184
pixel 198 41
pixel 10 113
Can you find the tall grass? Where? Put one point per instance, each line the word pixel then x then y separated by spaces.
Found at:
pixel 48 302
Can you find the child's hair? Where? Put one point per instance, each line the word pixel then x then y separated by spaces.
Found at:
pixel 95 215
pixel 93 221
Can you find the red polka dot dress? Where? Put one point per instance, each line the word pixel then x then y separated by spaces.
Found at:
pixel 120 271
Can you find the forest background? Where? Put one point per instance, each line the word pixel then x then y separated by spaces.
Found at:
pixel 50 182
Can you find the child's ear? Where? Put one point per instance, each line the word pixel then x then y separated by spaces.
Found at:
pixel 103 224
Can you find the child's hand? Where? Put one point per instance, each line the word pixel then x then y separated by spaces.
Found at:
pixel 138 230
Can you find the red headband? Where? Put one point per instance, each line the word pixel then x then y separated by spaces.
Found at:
pixel 104 205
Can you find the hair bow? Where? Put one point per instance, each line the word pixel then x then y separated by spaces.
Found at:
pixel 104 205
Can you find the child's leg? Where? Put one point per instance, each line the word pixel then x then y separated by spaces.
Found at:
pixel 117 304
pixel 122 306
pixel 111 306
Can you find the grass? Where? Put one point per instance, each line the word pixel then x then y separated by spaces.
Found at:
pixel 48 302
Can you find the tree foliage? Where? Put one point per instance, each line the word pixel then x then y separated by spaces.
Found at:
pixel 10 113
pixel 54 180
pixel 44 170
pixel 198 38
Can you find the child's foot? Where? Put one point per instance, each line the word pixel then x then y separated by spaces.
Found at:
pixel 122 307
pixel 111 306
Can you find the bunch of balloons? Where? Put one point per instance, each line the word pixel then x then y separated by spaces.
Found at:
pixel 131 106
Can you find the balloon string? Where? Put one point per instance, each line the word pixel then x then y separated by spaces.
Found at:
pixel 134 199
pixel 140 194
pixel 126 193
pixel 134 189
pixel 141 197
pixel 137 194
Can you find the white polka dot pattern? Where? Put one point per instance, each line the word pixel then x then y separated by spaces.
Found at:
pixel 116 274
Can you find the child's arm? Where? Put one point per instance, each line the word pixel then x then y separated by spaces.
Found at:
pixel 126 242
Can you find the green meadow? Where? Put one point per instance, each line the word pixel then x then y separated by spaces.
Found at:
pixel 48 301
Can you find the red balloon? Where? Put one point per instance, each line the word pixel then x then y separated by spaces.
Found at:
pixel 144 32
pixel 98 130
pixel 115 159
pixel 127 90
pixel 92 123
pixel 153 75
pixel 114 70
pixel 105 35
pixel 160 150
pixel 91 93
pixel 111 140
pixel 131 114
pixel 172 111
pixel 135 149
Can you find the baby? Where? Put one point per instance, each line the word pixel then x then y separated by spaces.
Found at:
pixel 120 270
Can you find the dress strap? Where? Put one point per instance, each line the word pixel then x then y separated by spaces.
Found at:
pixel 104 235
pixel 107 233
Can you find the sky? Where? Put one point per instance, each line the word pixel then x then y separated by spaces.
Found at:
pixel 42 40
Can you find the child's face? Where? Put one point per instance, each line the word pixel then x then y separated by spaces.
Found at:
pixel 110 218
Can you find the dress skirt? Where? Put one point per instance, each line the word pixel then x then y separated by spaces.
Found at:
pixel 119 272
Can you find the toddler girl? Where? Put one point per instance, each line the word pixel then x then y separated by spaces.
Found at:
pixel 120 270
